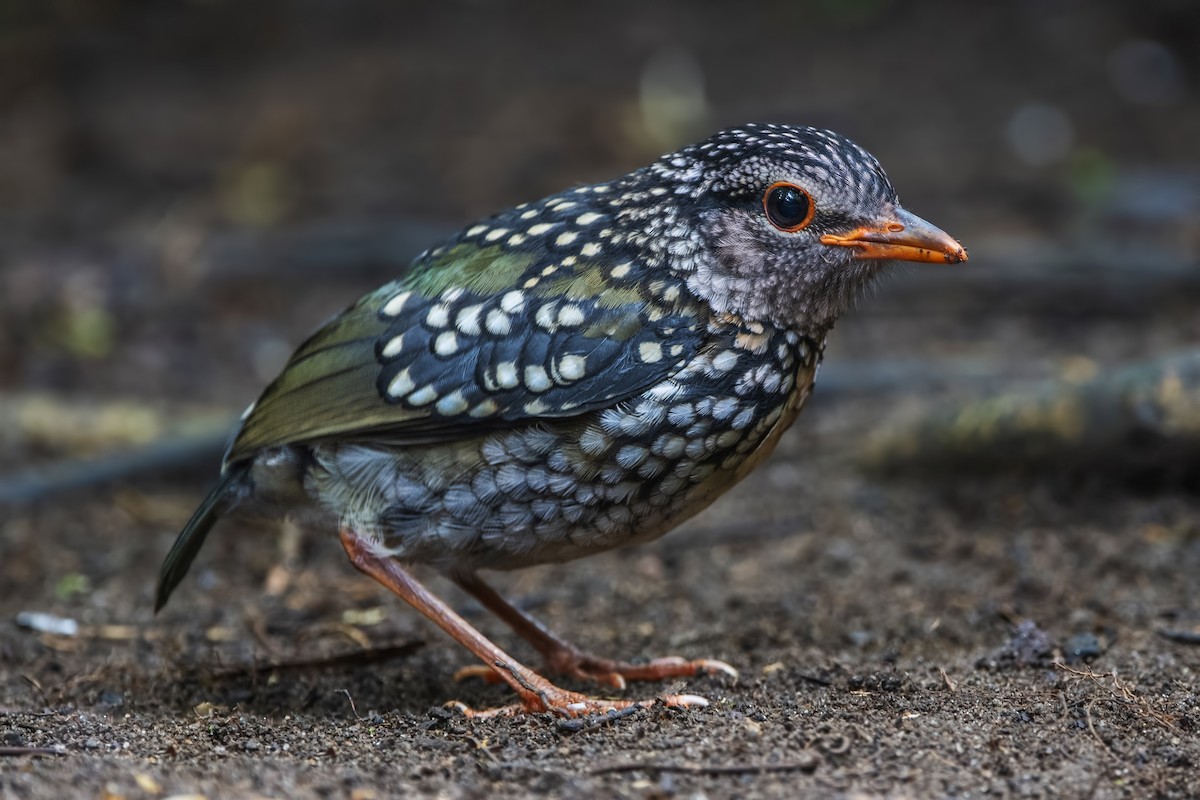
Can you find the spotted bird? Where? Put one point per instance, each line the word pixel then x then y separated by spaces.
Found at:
pixel 572 375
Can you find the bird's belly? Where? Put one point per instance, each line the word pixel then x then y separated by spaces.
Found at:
pixel 555 490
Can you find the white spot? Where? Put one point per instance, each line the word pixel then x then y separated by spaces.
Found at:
pixel 631 455
pixel 588 218
pixel 423 396
pixel 438 316
pixel 513 301
pixel 572 367
pixel 742 419
pixel 569 261
pixel 495 233
pixel 566 238
pixel 249 410
pixel 452 404
pixel 724 361
pixel 570 315
pixel 667 391
pixel 545 317
pixel 535 407
pixel 650 352
pixel 563 205
pixel 478 229
pixel 550 270
pixel 540 228
pixel 724 407
pixel 497 322
pixel 516 239
pixel 589 249
pixel 594 442
pixel 506 375
pixel 536 379
pixel 601 189
pixel 446 343
pixel 401 385
pixel 671 294
pixel 468 320
pixel 676 349
pixel 681 414
pixel 530 214
pixel 621 270
pixel 485 409
pixel 396 304
pixel 394 347
pixel 529 284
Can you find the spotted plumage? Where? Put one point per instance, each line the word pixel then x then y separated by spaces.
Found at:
pixel 578 373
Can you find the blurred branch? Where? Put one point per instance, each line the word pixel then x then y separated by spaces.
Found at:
pixel 1142 421
pixel 171 454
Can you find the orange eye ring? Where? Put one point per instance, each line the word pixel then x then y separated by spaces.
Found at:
pixel 788 207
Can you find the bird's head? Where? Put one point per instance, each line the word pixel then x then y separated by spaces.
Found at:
pixel 786 223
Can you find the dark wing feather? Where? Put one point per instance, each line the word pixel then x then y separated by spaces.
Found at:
pixel 453 351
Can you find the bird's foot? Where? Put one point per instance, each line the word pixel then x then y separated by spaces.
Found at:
pixel 607 672
pixel 616 674
pixel 539 695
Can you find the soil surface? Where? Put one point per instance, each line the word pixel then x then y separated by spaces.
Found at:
pixel 191 191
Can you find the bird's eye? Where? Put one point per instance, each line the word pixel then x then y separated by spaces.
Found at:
pixel 788 207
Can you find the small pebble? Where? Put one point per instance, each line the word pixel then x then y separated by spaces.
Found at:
pixel 1082 647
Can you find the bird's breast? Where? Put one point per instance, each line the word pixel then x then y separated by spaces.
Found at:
pixel 558 489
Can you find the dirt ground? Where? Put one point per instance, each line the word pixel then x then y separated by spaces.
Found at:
pixel 187 193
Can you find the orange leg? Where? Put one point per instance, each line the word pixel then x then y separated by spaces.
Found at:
pixel 535 692
pixel 564 658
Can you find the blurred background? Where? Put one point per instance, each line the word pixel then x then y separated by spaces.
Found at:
pixel 187 189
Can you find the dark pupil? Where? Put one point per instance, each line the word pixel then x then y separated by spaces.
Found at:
pixel 790 206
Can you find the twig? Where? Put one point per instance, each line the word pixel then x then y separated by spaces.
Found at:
pixel 38 688
pixel 163 456
pixel 1087 715
pixel 597 721
pixel 949 683
pixel 1123 693
pixel 13 752
pixel 353 708
pixel 1182 637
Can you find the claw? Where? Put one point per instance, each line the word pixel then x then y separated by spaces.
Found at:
pixel 714 667
pixel 573 705
pixel 478 672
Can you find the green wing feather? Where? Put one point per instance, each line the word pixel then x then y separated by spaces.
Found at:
pixel 592 343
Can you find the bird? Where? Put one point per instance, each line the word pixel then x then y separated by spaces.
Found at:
pixel 570 376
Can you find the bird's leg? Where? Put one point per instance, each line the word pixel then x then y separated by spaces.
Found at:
pixel 564 658
pixel 536 693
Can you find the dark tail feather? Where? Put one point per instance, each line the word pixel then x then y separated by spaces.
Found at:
pixel 191 538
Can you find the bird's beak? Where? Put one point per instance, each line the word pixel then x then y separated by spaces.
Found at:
pixel 901 237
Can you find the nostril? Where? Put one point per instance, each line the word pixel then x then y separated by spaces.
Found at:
pixel 894 227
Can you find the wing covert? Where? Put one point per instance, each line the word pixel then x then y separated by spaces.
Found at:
pixel 444 355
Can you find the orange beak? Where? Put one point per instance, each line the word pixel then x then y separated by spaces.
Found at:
pixel 903 237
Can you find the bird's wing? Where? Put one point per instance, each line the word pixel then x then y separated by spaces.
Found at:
pixel 477 337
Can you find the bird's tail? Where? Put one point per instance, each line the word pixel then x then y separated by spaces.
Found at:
pixel 191 538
